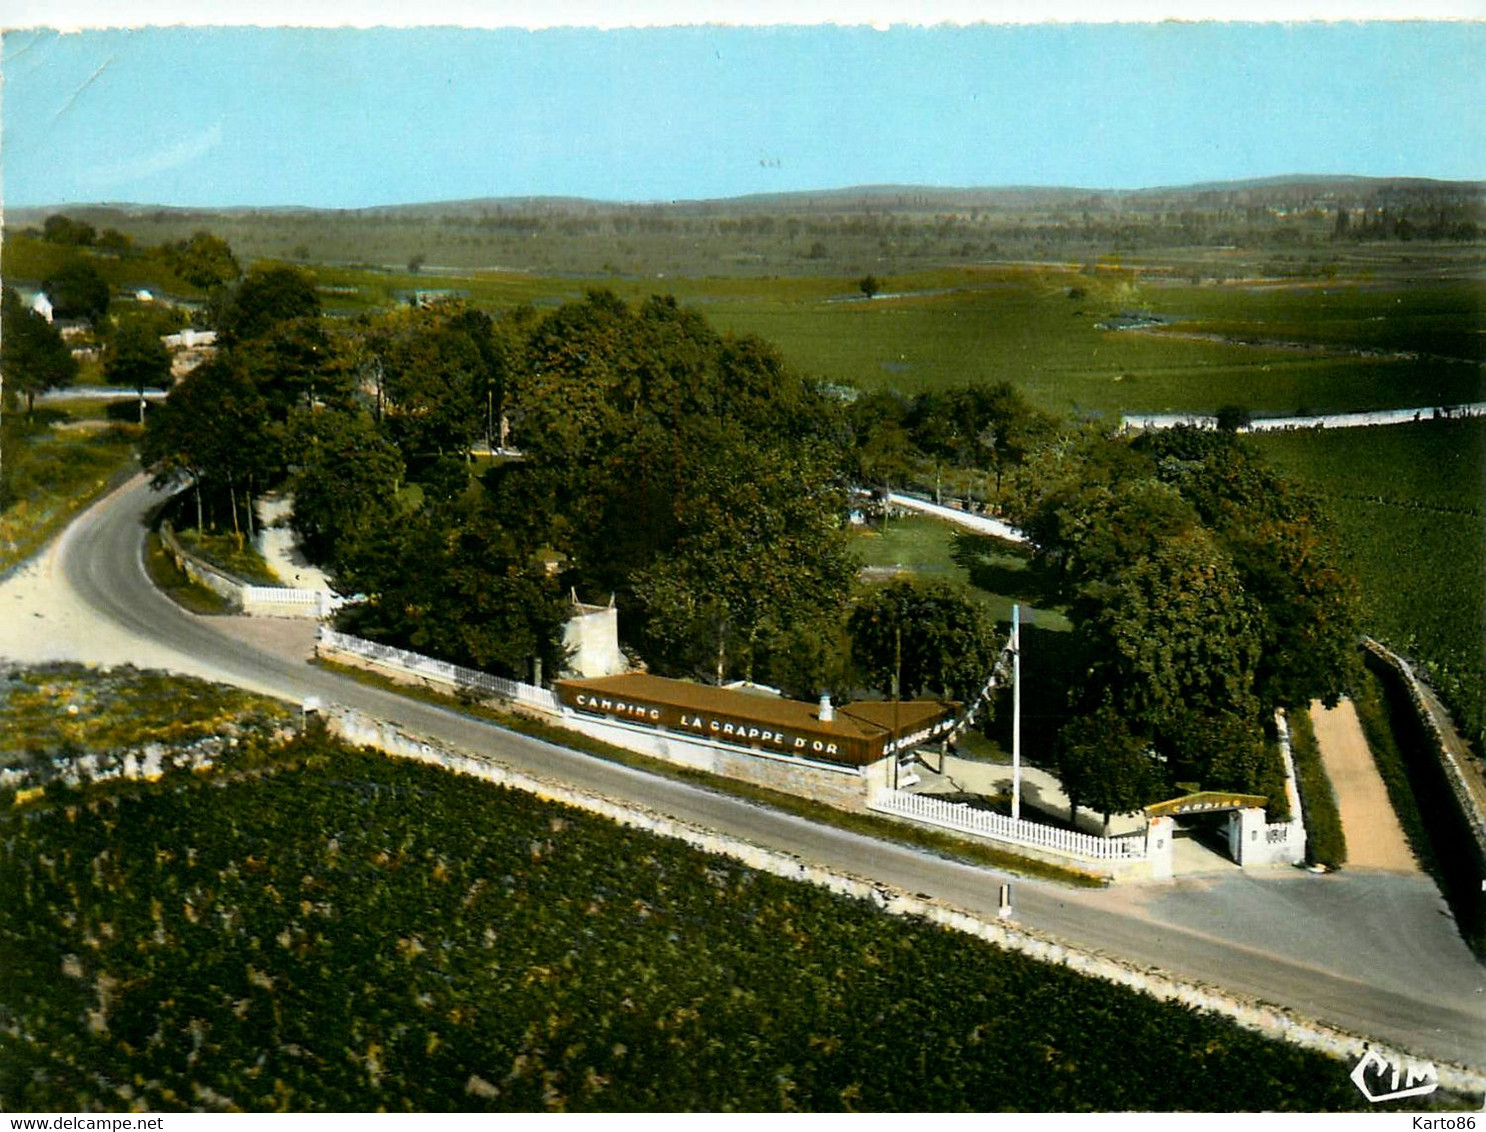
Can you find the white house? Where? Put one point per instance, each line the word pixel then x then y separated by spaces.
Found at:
pixel 42 305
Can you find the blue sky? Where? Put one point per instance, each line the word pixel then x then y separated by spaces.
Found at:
pixel 352 118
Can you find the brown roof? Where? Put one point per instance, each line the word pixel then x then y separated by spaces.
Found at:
pixel 862 720
pixel 904 716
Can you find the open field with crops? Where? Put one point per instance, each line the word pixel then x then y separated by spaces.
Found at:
pixel 311 928
pixel 1341 329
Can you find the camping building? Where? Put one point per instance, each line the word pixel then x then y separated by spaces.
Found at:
pixel 821 750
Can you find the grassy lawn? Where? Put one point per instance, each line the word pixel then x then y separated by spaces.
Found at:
pixel 995 573
pixel 177 585
pixel 50 476
pixel 223 551
pixel 1022 327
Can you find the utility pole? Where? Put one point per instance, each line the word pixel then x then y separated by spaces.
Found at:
pixel 1016 712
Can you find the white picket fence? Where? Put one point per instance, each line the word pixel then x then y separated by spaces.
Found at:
pixel 441 671
pixel 984 823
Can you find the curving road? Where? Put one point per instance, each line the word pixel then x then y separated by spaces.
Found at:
pixel 1374 953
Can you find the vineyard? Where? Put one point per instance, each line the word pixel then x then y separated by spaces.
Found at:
pixel 309 927
pixel 1407 502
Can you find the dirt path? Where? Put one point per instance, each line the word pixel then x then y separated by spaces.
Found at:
pixel 1375 840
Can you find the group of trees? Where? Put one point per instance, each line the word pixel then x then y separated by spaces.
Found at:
pixel 33 357
pixel 684 472
pixel 700 481
pixel 36 357
pixel 204 261
pixel 986 428
pixel 1205 591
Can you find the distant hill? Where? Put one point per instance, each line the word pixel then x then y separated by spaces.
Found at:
pixel 852 231
pixel 1351 191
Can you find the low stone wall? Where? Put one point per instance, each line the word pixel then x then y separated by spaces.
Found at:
pixel 1274 1022
pixel 1454 773
pixel 1454 818
pixel 203 574
pixel 1253 841
pixel 253 601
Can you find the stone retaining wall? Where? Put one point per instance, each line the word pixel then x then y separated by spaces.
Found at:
pixel 250 600
pixel 203 574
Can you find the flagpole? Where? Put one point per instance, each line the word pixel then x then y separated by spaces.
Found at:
pixel 1016 712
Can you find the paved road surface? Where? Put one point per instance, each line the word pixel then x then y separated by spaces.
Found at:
pixel 1376 954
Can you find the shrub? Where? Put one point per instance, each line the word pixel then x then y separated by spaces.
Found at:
pixel 1325 842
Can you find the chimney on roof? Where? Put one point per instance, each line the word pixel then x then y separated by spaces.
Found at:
pixel 827 712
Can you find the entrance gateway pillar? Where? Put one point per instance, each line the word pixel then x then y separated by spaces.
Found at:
pixel 1246 828
pixel 1246 844
pixel 1160 836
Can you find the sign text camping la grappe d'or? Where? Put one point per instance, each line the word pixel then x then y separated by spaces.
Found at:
pixel 716 727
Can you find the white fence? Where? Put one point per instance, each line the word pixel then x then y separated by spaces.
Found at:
pixel 981 524
pixel 1149 421
pixel 439 671
pixel 1286 841
pixel 983 823
pixel 262 601
pixel 288 602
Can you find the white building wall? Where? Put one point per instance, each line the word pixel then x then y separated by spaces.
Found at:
pixel 592 640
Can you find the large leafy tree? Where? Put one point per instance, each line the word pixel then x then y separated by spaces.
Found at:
pixel 60 229
pixel 1103 763
pixel 204 261
pixel 134 357
pixel 77 290
pixel 215 428
pixel 296 364
pixel 1174 636
pixel 917 640
pixel 265 298
pixel 434 383
pixel 345 482
pixel 476 598
pixel 760 547
pixel 33 357
pixel 981 426
pixel 1285 551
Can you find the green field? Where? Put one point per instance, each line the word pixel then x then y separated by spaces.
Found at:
pixel 935 329
pixel 314 929
pixel 1368 337
pixel 1409 502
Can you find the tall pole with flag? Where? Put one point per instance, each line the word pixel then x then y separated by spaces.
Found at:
pixel 1016 712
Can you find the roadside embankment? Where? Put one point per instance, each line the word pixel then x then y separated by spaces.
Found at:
pixel 1446 780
